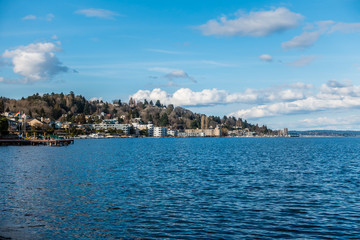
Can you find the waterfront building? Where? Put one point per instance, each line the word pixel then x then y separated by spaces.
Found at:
pixel 172 133
pixel 215 132
pixel 160 131
pixel 150 128
pixel 124 127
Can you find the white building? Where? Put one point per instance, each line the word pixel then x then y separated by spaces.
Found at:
pixel 124 127
pixel 150 128
pixel 160 131
pixel 172 133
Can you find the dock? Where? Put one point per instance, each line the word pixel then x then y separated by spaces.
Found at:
pixel 50 142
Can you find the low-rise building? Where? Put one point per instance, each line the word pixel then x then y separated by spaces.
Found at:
pixel 124 127
pixel 36 123
pixel 211 132
pixel 160 131
pixel 172 133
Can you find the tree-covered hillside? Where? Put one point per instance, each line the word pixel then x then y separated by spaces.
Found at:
pixel 77 109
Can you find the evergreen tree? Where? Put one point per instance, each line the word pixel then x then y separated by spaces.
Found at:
pixel 4 125
pixel 164 120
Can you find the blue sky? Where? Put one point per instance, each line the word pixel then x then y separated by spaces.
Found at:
pixel 292 64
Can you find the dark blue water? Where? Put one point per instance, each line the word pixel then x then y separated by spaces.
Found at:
pixel 191 188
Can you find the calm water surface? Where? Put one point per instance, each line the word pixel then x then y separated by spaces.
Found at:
pixel 191 188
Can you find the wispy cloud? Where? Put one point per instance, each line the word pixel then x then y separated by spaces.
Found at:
pixel 164 51
pixel 220 64
pixel 306 39
pixel 49 17
pixel 261 23
pixel 29 17
pixel 302 61
pixel 345 27
pixel 98 13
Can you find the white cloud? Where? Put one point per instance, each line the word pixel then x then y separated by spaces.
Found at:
pixel 261 23
pixel 36 61
pixel 49 17
pixel 345 27
pixel 215 63
pixel 338 123
pixel 172 74
pixel 332 95
pixel 98 13
pixel 96 99
pixel 266 58
pixel 306 39
pixel 187 97
pixel 29 17
pixel 302 61
pixel 179 74
pixel 163 51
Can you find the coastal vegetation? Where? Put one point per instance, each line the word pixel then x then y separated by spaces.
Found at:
pixel 77 109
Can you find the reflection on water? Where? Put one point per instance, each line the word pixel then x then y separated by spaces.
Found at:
pixel 182 188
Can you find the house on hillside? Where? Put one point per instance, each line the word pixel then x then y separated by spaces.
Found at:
pixel 36 123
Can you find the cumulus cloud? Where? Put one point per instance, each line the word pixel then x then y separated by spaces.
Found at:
pixel 332 95
pixel 98 13
pixel 302 61
pixel 302 41
pixel 187 97
pixel 266 58
pixel 261 23
pixel 96 99
pixel 36 61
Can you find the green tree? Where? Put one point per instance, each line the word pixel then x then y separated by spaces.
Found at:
pixel 158 104
pixel 106 108
pixel 195 124
pixel 4 125
pixel 164 120
pixel 56 113
pixel 2 106
pixel 42 112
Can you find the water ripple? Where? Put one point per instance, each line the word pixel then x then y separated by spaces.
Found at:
pixel 203 188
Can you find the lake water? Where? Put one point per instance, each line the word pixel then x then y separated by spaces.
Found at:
pixel 182 188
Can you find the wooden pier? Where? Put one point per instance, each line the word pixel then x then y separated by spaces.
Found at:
pixel 50 142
